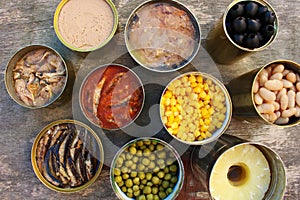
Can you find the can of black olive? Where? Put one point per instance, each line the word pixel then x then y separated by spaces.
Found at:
pixel 67 156
pixel 37 76
pixel 233 168
pixel 268 94
pixel 162 36
pixel 245 27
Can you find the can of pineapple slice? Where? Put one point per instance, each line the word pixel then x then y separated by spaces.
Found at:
pixel 233 168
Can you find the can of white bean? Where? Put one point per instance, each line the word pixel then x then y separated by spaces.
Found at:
pixel 272 93
pixel 233 168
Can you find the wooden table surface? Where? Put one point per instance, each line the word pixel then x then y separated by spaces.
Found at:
pixel 25 22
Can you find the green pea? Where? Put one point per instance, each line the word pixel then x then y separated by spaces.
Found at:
pixel 155 180
pixel 142 187
pixel 173 168
pixel 151 147
pixel 124 189
pixel 149 176
pixel 166 170
pixel 160 161
pixel 161 174
pixel 133 174
pixel 117 172
pixel 130 195
pixel 165 184
pixel 132 150
pixel 136 180
pixel 147 190
pixel 148 142
pixel 128 163
pixel 149 184
pixel 141 167
pixel 169 191
pixel 152 157
pixel 139 153
pixel 168 177
pixel 129 190
pixel 118 179
pixel 140 143
pixel 124 170
pixel 154 142
pixel 156 197
pixel 122 155
pixel 149 197
pixel 125 176
pixel 146 161
pixel 161 155
pixel 161 188
pixel 128 183
pixel 133 167
pixel 141 175
pixel 147 152
pixel 120 184
pixel 144 181
pixel 170 161
pixel 135 188
pixel 120 161
pixel 129 156
pixel 159 147
pixel 151 165
pixel 135 159
pixel 172 185
pixel 162 194
pixel 174 179
pixel 156 169
pixel 154 190
pixel 142 197
pixel 137 193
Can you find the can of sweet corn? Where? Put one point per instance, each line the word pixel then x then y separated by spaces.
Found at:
pixel 231 167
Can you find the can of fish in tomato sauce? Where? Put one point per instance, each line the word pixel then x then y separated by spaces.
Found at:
pixel 37 76
pixel 238 167
pixel 246 92
pixel 226 42
pixel 67 156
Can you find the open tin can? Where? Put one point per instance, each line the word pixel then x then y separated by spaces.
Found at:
pixel 247 91
pixel 195 108
pixel 147 168
pixel 227 43
pixel 234 164
pixel 162 36
pixel 85 26
pixel 36 77
pixel 67 156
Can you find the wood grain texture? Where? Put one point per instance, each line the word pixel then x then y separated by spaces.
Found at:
pixel 25 22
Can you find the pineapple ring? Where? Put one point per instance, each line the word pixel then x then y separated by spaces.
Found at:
pixel 242 172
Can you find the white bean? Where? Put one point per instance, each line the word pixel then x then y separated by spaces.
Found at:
pixel 282 92
pixel 279 68
pixel 269 70
pixel 289 112
pixel 276 76
pixel 267 95
pixel 266 108
pixel 298 98
pixel 291 77
pixel 262 80
pixel 276 105
pixel 298 77
pixel 287 84
pixel 273 117
pixel 257 99
pixel 281 121
pixel 292 99
pixel 255 86
pixel 284 102
pixel 285 72
pixel 298 86
pixel 278 114
pixel 274 85
pixel 297 114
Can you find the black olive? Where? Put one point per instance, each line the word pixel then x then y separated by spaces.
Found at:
pixel 260 37
pixel 236 11
pixel 239 39
pixel 228 27
pixel 253 25
pixel 261 11
pixel 251 9
pixel 267 31
pixel 269 17
pixel 252 41
pixel 239 25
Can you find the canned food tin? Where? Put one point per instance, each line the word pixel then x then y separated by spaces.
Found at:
pixel 85 26
pixel 36 76
pixel 226 42
pixel 67 156
pixel 240 168
pixel 111 96
pixel 263 88
pixel 195 108
pixel 162 35
pixel 147 168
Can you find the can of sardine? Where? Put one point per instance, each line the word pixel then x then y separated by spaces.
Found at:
pixel 67 156
pixel 162 36
pixel 233 168
pixel 270 94
pixel 85 26
pixel 247 26
pixel 37 76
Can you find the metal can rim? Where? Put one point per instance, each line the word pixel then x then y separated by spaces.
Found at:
pixel 7 82
pixel 102 44
pixel 41 177
pixel 192 15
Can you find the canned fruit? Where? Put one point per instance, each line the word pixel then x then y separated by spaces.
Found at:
pixel 85 26
pixel 39 77
pixel 242 172
pixel 146 169
pixel 112 96
pixel 253 22
pixel 67 156
pixel 162 36
pixel 193 107
pixel 276 95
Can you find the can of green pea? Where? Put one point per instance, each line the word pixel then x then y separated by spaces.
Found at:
pixel 232 168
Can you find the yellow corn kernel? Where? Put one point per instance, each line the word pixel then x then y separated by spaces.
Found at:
pixel 168 113
pixel 202 94
pixel 204 128
pixel 208 134
pixel 164 119
pixel 205 87
pixel 176 113
pixel 171 131
pixel 192 78
pixel 203 135
pixel 201 122
pixel 168 102
pixel 197 133
pixel 178 107
pixel 173 101
pixel 204 113
pixel 200 138
pixel 219 124
pixel 184 136
pixel 207 121
pixel 194 84
pixel 197 89
pixel 199 79
pixel 168 94
pixel 177 119
pixel 170 119
pixel 174 125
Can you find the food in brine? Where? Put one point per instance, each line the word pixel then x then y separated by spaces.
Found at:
pixel 112 96
pixel 68 155
pixel 39 77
